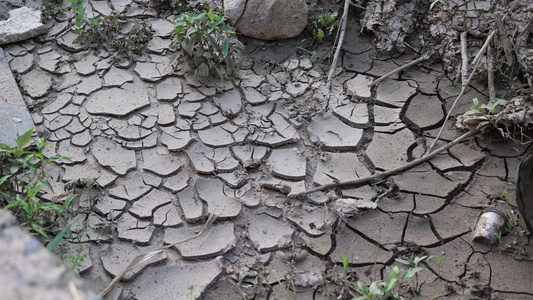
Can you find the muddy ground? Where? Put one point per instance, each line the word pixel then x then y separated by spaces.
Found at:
pixel 169 152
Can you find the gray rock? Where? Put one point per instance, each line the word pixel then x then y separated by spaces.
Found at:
pixel 268 234
pixel 23 23
pixel 267 20
pixel 118 101
pixel 220 239
pixel 110 154
pixel 15 118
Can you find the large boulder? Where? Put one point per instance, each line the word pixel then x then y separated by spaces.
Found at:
pixel 23 23
pixel 267 19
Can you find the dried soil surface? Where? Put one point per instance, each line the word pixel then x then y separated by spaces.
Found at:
pixel 169 151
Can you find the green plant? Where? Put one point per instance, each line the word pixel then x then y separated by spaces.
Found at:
pixel 501 247
pixel 50 8
pixel 78 7
pixel 107 32
pixel 209 43
pixel 22 177
pixel 391 286
pixel 324 26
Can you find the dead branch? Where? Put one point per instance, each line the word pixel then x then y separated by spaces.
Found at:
pixel 342 30
pixel 464 56
pixel 490 74
pixel 388 173
pixel 412 63
pixel 476 61
pixel 143 260
pixel 504 41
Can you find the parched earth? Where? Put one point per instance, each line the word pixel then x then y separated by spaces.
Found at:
pixel 169 151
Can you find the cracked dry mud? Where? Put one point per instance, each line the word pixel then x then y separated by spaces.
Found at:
pixel 168 152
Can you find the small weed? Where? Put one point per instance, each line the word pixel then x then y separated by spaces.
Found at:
pixel 208 42
pixel 324 26
pixel 25 178
pixel 391 286
pixel 501 247
pixel 51 8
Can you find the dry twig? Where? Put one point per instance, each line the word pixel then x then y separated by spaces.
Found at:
pixel 464 56
pixel 143 260
pixel 342 30
pixel 476 61
pixel 388 173
pixel 409 64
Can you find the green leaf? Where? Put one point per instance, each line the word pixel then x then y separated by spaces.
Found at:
pixel 390 284
pixel 495 105
pixel 362 287
pixel 471 112
pixel 374 289
pixel 411 272
pixel 97 21
pixel 476 102
pixel 4 178
pixel 19 202
pixel 51 246
pixel 402 261
pixel 13 169
pixel 38 228
pixel 24 138
pixel 225 46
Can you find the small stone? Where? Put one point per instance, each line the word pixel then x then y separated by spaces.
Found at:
pixel 23 23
